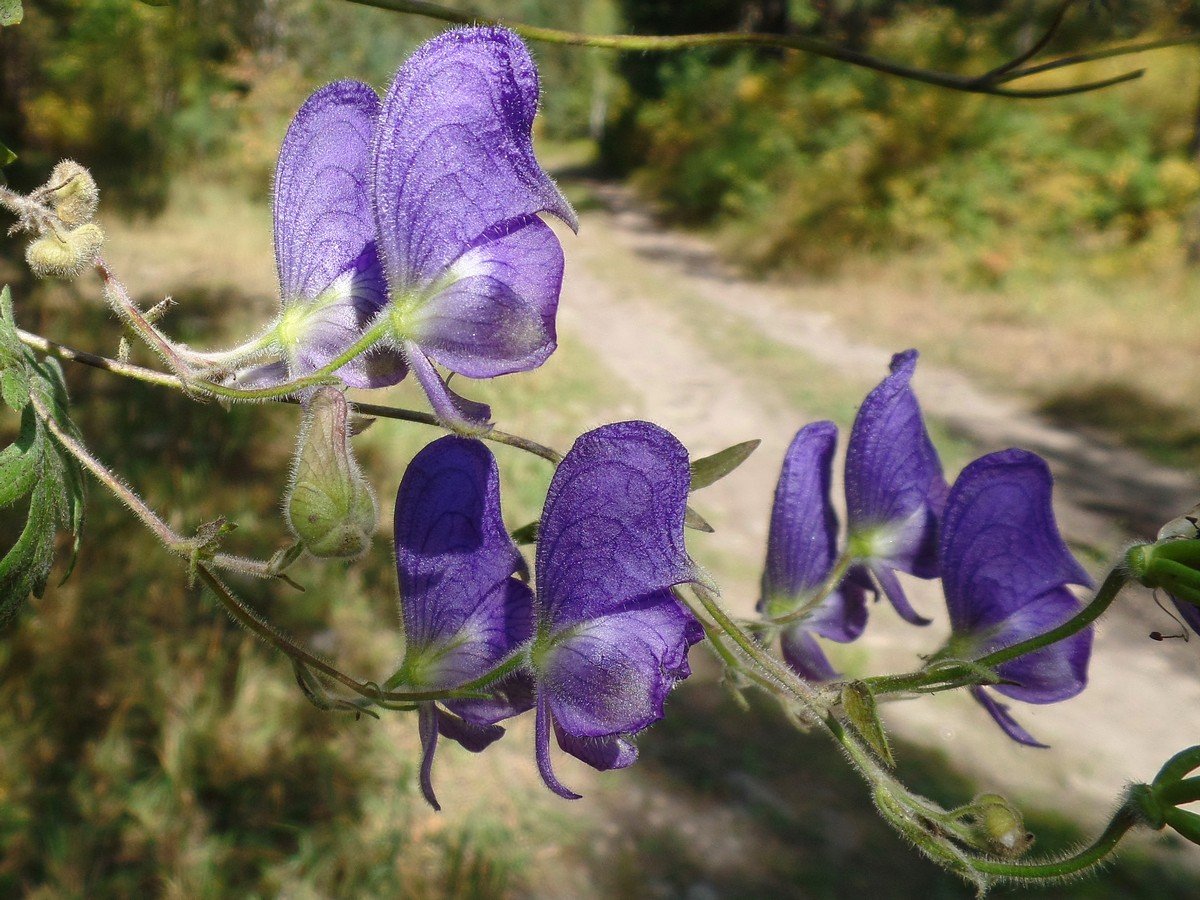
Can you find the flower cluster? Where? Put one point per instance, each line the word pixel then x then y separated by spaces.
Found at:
pixel 604 640
pixel 413 225
pixel 991 538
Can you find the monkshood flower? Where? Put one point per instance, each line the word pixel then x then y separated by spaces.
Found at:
pixel 1005 570
pixel 801 548
pixel 331 281
pixel 895 490
pixel 464 613
pixel 611 638
pixel 474 274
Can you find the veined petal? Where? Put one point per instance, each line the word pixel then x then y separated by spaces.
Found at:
pixel 1053 673
pixel 457 412
pixel 612 675
pixel 614 751
pixel 322 199
pixel 496 314
pixel 802 540
pixel 453 154
pixel 894 483
pixel 1000 546
pixel 470 736
pixel 463 611
pixel 612 529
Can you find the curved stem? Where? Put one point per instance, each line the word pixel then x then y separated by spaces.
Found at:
pixel 1122 821
pixel 955 675
pixel 988 83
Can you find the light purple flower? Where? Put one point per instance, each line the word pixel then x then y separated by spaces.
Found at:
pixel 895 490
pixel 612 640
pixel 331 281
pixel 801 548
pixel 463 611
pixel 474 274
pixel 1005 570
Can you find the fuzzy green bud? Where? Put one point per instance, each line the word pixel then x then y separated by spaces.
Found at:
pixel 73 193
pixel 329 504
pixel 64 255
pixel 1000 826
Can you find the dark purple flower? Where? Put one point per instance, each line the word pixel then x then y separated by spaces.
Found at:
pixel 801 548
pixel 895 490
pixel 473 272
pixel 330 277
pixel 1005 570
pixel 612 639
pixel 464 612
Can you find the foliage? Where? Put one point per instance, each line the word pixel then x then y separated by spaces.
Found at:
pixel 807 163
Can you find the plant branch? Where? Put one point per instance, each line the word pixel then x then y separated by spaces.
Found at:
pixel 992 82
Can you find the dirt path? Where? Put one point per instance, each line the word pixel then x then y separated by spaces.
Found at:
pixel 640 295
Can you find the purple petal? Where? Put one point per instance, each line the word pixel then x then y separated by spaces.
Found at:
pixel 1004 719
pixel 508 698
pixel 428 731
pixel 322 198
pixel 612 528
pixel 894 481
pixel 338 319
pixel 463 611
pixel 894 591
pixel 542 751
pixel 453 152
pixel 452 410
pixel 1189 612
pixel 612 674
pixel 1000 546
pixel 1053 673
pixel 805 656
pixel 496 315
pixel 802 540
pixel 330 275
pixel 475 738
pixel 604 753
pixel 842 617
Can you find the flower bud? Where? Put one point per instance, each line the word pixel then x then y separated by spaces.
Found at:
pixel 1000 825
pixel 74 194
pixel 329 505
pixel 64 255
pixel 1172 564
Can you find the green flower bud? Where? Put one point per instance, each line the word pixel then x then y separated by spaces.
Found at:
pixel 64 255
pixel 1172 564
pixel 1000 826
pixel 73 193
pixel 329 505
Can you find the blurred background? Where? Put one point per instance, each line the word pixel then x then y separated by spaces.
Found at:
pixel 759 232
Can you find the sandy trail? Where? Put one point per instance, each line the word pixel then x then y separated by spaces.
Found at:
pixel 627 288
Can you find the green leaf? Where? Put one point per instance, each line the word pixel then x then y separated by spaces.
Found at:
pixel 695 521
pixel 11 13
pixel 36 465
pixel 6 156
pixel 859 703
pixel 713 468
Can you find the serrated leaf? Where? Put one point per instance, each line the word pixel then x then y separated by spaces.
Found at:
pixel 713 468
pixel 20 462
pixel 11 13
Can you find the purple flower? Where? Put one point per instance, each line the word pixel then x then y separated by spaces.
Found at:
pixel 464 612
pixel 330 278
pixel 473 273
pixel 1005 570
pixel 612 639
pixel 801 547
pixel 895 490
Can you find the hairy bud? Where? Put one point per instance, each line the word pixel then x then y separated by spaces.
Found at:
pixel 1001 826
pixel 64 255
pixel 329 505
pixel 73 193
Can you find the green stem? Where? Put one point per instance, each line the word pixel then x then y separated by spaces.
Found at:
pixel 828 586
pixel 988 83
pixel 1122 821
pixel 955 675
